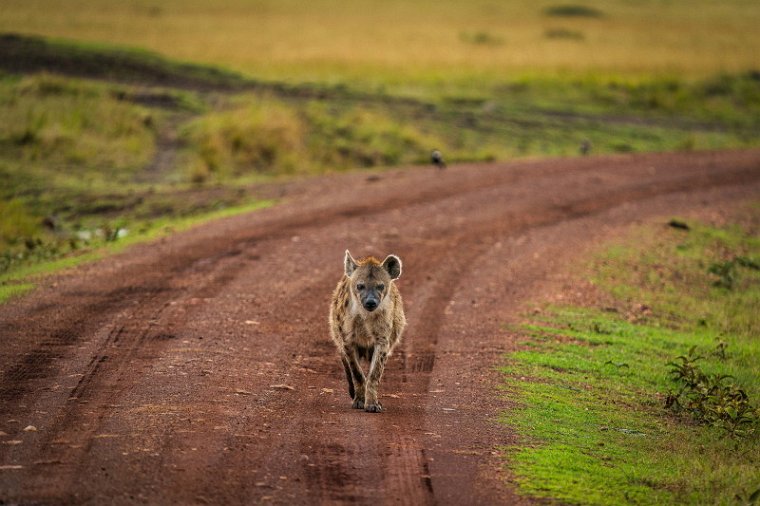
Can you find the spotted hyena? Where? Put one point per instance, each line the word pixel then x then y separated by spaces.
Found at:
pixel 366 321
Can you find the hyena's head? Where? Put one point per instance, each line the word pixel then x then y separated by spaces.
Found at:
pixel 370 279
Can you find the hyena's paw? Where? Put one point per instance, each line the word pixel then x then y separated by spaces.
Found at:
pixel 358 403
pixel 373 407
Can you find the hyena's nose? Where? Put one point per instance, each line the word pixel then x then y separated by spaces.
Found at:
pixel 370 305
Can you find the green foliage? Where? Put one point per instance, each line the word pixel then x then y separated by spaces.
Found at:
pixel 80 157
pixel 60 129
pixel 269 136
pixel 9 291
pixel 591 384
pixel 258 137
pixel 363 137
pixel 711 398
pixel 671 271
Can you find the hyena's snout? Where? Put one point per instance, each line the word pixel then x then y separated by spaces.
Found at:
pixel 370 302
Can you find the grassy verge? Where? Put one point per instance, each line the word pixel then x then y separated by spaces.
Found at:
pixel 21 279
pixel 592 383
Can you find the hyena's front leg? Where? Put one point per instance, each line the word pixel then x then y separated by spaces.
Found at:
pixel 357 375
pixel 376 368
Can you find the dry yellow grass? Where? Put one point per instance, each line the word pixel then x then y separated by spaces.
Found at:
pixel 420 40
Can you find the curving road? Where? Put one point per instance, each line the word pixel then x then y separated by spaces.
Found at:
pixel 198 369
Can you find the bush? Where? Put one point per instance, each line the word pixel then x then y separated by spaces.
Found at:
pixel 363 138
pixel 711 398
pixel 258 138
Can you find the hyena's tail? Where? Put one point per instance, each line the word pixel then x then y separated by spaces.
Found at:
pixel 348 377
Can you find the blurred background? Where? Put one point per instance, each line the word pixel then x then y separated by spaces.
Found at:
pixel 123 120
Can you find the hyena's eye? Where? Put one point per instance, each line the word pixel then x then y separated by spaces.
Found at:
pixel 380 288
pixel 360 286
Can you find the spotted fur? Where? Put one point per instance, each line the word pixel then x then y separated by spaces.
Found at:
pixel 366 322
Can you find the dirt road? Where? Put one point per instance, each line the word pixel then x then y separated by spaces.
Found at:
pixel 199 370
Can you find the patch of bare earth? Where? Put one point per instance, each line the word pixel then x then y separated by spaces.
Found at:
pixel 198 369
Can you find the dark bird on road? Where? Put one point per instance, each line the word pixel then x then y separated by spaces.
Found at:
pixel 437 158
pixel 585 147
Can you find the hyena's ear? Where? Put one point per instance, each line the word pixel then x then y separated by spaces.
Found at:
pixel 392 264
pixel 350 264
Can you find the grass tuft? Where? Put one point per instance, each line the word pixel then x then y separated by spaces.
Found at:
pixel 8 292
pixel 258 137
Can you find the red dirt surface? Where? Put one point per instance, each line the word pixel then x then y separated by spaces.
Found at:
pixel 199 370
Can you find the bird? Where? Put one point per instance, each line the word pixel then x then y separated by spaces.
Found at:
pixel 585 147
pixel 436 157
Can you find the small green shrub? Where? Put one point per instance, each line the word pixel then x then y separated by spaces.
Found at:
pixel 711 398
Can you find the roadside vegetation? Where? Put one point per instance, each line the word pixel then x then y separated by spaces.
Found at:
pixel 170 110
pixel 652 396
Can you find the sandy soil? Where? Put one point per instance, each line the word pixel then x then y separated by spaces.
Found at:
pixel 198 369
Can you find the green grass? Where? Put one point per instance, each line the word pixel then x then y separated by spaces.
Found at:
pixel 677 282
pixel 78 160
pixel 529 117
pixel 7 292
pixel 591 383
pixel 23 276
pixel 60 128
